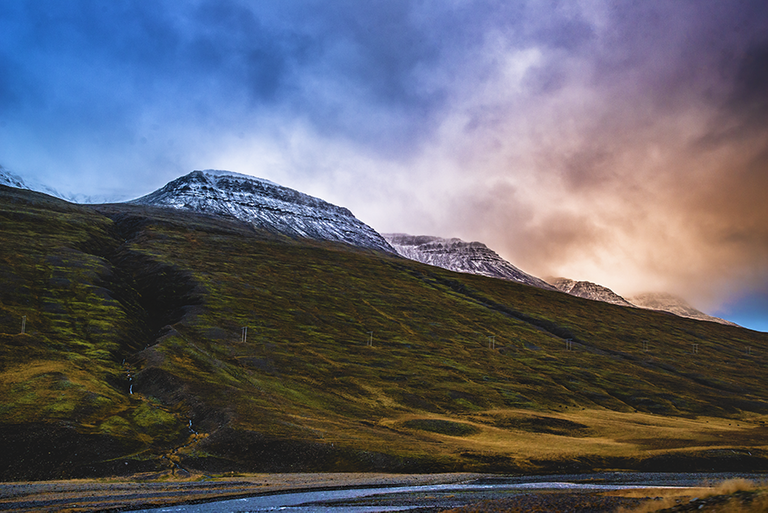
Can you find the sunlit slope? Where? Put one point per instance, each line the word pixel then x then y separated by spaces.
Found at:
pixel 352 360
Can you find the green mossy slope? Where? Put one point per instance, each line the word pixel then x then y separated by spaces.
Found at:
pixel 353 360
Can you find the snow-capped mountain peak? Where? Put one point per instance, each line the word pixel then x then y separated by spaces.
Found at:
pixel 266 205
pixel 11 180
pixel 460 256
pixel 588 290
pixel 240 176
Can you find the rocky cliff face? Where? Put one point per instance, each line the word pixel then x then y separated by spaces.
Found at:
pixel 588 290
pixel 458 255
pixel 266 205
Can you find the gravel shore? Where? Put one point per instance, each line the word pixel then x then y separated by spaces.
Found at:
pixel 497 493
pixel 146 491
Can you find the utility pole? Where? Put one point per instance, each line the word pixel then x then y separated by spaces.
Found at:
pixel 23 324
pixel 492 342
pixel 569 344
pixel 244 334
pixel 370 339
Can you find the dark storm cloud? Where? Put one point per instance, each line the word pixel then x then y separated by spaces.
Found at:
pixel 751 80
pixel 746 109
pixel 146 51
pixel 338 65
pixel 335 65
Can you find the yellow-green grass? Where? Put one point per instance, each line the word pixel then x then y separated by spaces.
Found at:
pixel 122 296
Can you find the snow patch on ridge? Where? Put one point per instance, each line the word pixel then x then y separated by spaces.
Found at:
pixel 266 205
pixel 588 290
pixel 11 180
pixel 222 172
pixel 460 256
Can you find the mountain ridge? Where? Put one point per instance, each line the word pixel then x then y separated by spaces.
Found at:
pixel 266 205
pixel 285 211
pixel 476 258
pixel 660 301
pixel 671 303
pixel 10 179
pixel 588 290
pixel 460 256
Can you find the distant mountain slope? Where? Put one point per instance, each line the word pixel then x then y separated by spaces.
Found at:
pixel 266 205
pixel 11 180
pixel 588 290
pixel 673 304
pixel 650 301
pixel 458 255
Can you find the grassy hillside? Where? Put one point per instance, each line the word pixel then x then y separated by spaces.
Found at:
pixel 133 359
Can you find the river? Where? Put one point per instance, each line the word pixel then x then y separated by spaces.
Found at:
pixel 445 496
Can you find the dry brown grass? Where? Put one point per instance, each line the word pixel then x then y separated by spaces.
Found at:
pixel 663 498
pixel 758 505
pixel 734 485
pixel 667 498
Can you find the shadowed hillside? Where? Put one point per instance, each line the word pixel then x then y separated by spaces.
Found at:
pixel 134 358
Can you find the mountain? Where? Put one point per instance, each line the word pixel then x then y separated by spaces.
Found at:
pixel 673 304
pixel 136 338
pixel 651 300
pixel 588 290
pixel 11 180
pixel 476 258
pixel 460 256
pixel 266 205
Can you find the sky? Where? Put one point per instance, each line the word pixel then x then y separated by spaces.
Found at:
pixel 619 142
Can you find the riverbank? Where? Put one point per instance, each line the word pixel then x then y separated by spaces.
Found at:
pixel 576 492
pixel 163 489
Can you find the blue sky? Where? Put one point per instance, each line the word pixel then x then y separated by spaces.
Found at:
pixel 620 142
